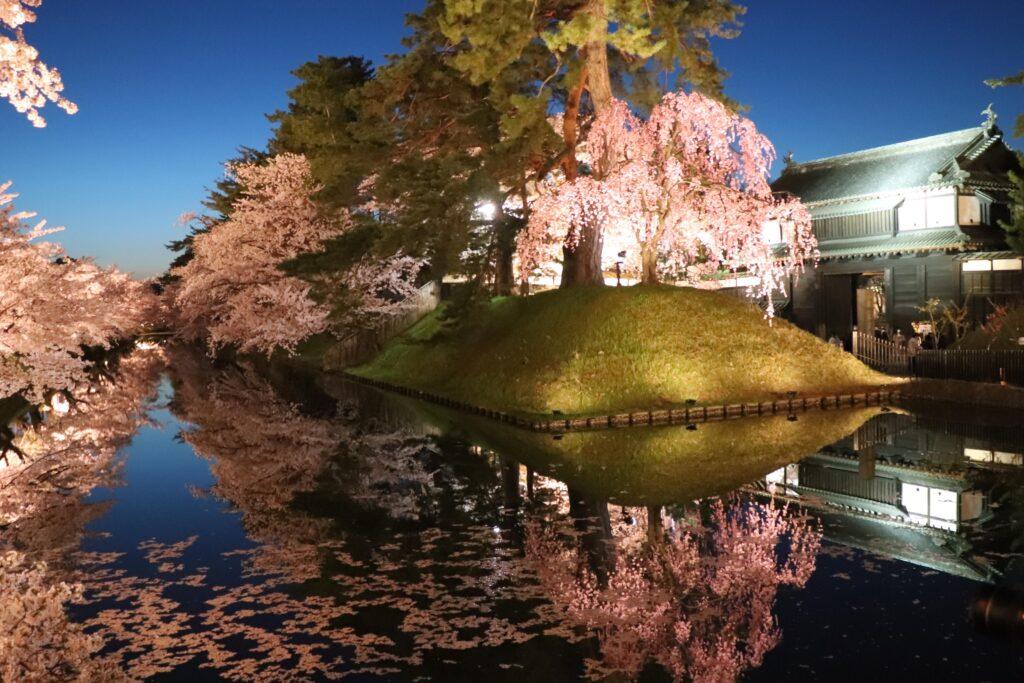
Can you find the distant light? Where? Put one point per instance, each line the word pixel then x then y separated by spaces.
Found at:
pixel 486 210
pixel 60 404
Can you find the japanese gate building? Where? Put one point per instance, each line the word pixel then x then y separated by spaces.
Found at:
pixel 900 224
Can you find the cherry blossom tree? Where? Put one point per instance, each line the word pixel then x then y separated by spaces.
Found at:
pixel 684 192
pixel 25 81
pixel 694 596
pixel 52 305
pixel 234 292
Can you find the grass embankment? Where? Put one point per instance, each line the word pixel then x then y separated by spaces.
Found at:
pixel 658 465
pixel 589 351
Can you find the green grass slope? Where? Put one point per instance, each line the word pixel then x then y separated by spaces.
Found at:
pixel 603 349
pixel 657 465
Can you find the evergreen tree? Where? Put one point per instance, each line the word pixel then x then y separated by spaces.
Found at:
pixel 584 41
pixel 1015 226
pixel 322 123
pixel 432 151
pixel 1016 79
pixel 219 200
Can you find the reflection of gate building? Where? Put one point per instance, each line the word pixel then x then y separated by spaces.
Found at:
pixel 901 224
pixel 914 489
pixel 939 500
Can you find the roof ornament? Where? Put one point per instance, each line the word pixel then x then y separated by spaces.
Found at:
pixel 990 119
pixel 788 159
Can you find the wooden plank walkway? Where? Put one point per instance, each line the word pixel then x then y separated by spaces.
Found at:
pixel 663 416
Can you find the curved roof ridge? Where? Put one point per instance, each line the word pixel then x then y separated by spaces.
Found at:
pixel 941 139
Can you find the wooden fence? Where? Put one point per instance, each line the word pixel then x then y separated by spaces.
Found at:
pixel 970 365
pixel 662 416
pixel 361 346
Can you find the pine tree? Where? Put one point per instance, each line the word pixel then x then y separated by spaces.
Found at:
pixel 583 42
pixel 1015 226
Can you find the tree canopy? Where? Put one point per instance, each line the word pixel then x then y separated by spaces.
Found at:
pixel 25 80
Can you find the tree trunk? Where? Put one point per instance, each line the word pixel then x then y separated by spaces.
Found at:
pixel 599 82
pixel 649 265
pixel 655 529
pixel 503 278
pixel 594 534
pixel 504 249
pixel 582 264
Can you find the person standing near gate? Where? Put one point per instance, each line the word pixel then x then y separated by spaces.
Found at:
pixel 913 349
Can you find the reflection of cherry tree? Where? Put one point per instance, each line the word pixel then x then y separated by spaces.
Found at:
pixel 64 457
pixel 697 600
pixel 296 609
pixel 264 450
pixel 43 513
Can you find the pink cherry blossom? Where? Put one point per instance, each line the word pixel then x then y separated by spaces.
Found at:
pixel 25 81
pixel 684 193
pixel 234 292
pixel 694 596
pixel 51 305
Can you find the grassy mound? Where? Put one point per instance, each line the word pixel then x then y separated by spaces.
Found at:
pixel 604 349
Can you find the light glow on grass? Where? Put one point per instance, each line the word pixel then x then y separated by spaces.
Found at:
pixel 604 350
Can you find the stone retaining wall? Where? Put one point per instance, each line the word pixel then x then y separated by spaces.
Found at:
pixel 686 416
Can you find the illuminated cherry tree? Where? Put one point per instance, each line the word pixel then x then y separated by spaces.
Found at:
pixel 233 292
pixel 52 305
pixel 697 599
pixel 684 193
pixel 25 81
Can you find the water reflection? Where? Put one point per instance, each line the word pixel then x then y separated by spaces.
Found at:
pixel 693 592
pixel 53 461
pixel 336 530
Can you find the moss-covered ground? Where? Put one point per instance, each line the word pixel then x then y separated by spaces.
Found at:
pixel 589 351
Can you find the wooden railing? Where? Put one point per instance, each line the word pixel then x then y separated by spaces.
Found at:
pixel 364 344
pixel 970 365
pixel 880 354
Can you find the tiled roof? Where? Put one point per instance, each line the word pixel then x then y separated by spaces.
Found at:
pixel 904 165
pixel 986 255
pixel 855 207
pixel 902 243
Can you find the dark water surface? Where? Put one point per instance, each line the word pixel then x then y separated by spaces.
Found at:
pixel 271 526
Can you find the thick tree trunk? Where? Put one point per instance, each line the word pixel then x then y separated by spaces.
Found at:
pixel 504 249
pixel 503 277
pixel 594 534
pixel 582 264
pixel 655 529
pixel 599 83
pixel 649 266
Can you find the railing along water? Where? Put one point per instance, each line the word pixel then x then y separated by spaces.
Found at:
pixel 964 364
pixel 364 344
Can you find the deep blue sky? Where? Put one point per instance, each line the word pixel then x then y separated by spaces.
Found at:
pixel 167 90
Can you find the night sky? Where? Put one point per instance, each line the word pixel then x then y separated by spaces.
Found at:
pixel 168 90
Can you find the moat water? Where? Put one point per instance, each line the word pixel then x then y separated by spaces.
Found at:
pixel 262 524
